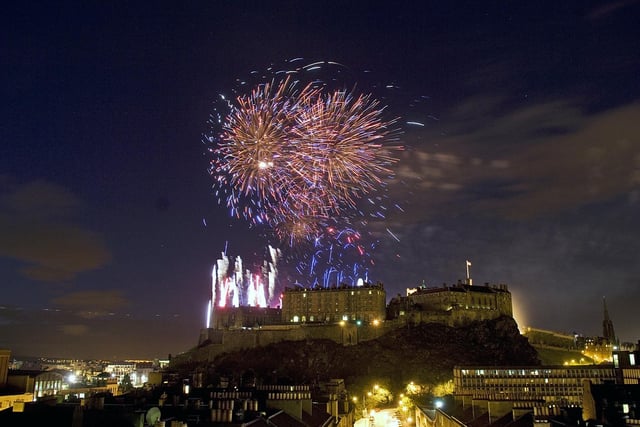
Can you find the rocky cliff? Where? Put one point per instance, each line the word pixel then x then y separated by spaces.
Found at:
pixel 425 353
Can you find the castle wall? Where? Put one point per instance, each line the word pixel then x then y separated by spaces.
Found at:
pixel 220 341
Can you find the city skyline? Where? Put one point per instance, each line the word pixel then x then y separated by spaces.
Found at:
pixel 521 155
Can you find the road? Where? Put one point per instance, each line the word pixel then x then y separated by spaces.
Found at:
pixel 381 418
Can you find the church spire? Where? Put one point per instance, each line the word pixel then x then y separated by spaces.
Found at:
pixel 607 325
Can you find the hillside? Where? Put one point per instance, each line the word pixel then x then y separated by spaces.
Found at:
pixel 560 356
pixel 426 353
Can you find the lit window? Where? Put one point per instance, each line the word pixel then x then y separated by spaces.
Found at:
pixel 632 359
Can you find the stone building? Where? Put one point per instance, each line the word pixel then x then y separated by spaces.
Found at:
pixel 453 305
pixel 365 304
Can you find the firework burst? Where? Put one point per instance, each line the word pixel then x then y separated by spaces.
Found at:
pixel 291 158
pixel 343 154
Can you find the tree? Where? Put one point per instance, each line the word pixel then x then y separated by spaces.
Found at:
pixel 125 385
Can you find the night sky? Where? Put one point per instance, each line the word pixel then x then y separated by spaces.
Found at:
pixel 527 162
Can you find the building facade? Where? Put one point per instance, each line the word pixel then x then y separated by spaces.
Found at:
pixel 555 385
pixel 5 355
pixel 366 304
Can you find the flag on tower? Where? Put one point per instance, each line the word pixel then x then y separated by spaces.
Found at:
pixel 468 263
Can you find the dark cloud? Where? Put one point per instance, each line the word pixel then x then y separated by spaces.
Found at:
pixel 91 304
pixel 62 333
pixel 75 330
pixel 539 160
pixel 600 161
pixel 608 8
pixel 40 229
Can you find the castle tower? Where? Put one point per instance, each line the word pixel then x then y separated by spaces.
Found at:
pixel 607 325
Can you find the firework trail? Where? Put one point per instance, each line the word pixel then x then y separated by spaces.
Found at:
pixel 233 285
